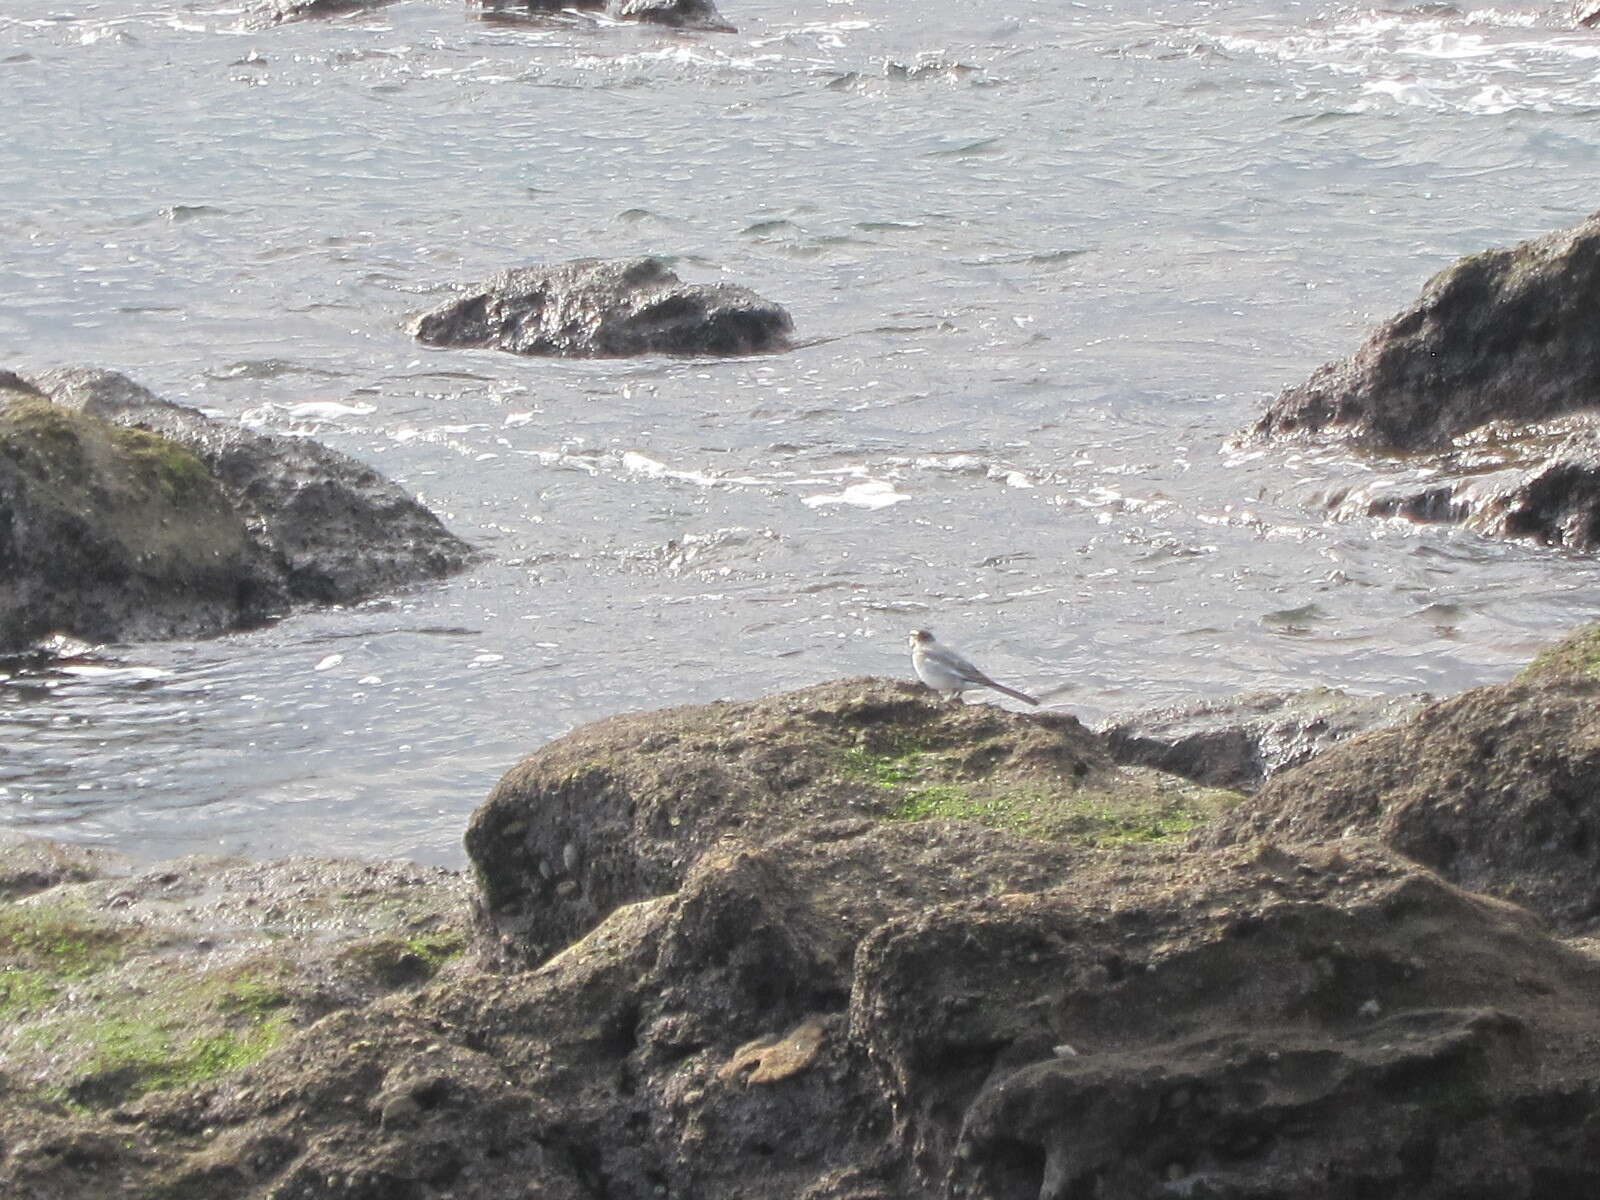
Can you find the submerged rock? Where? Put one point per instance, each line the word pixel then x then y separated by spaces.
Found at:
pixel 1241 741
pixel 606 308
pixel 700 15
pixel 279 12
pixel 1528 485
pixel 131 517
pixel 1504 335
pixel 687 14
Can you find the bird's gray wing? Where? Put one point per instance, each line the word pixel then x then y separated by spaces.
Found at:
pixel 958 666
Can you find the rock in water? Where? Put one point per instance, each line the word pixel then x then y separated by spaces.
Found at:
pixel 126 516
pixel 1505 335
pixel 108 533
pixel 1241 741
pixel 700 15
pixel 1495 371
pixel 685 14
pixel 1586 13
pixel 606 308
pixel 280 12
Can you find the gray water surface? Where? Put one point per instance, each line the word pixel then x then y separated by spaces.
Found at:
pixel 1044 257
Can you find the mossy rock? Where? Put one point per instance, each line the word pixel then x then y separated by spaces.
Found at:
pixel 1576 654
pixel 618 811
pixel 114 989
pixel 111 532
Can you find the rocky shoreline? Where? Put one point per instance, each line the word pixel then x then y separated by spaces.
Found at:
pixel 853 942
pixel 843 943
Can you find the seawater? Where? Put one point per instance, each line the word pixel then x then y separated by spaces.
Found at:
pixel 1043 259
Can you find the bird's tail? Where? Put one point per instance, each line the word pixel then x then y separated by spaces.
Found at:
pixel 1023 696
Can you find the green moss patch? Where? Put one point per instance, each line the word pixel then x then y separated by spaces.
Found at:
pixel 42 950
pixel 396 960
pixel 56 940
pixel 885 770
pixel 42 438
pixel 139 1031
pixel 58 444
pixel 1577 654
pixel 1117 807
pixel 173 469
pixel 127 1055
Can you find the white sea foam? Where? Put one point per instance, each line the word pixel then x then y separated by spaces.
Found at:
pixel 873 493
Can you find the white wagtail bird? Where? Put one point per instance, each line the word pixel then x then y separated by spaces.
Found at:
pixel 942 669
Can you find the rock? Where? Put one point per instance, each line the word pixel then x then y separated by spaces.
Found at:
pixel 30 864
pixel 606 308
pixel 155 977
pixel 684 14
pixel 135 517
pixel 1586 13
pixel 1261 1022
pixel 1239 742
pixel 701 15
pixel 109 533
pixel 1497 789
pixel 1528 485
pixel 279 12
pixel 1577 654
pixel 639 798
pixel 1272 1084
pixel 1504 335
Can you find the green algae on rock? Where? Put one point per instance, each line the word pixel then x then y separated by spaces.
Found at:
pixel 131 983
pixel 1576 654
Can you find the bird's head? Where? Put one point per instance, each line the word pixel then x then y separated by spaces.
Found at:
pixel 921 637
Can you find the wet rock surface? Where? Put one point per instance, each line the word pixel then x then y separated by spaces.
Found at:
pixel 1241 741
pixel 279 12
pixel 699 15
pixel 1503 335
pixel 1495 374
pixel 131 517
pixel 1540 484
pixel 606 308
pixel 797 976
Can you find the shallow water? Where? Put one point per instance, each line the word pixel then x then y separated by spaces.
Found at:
pixel 1044 259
